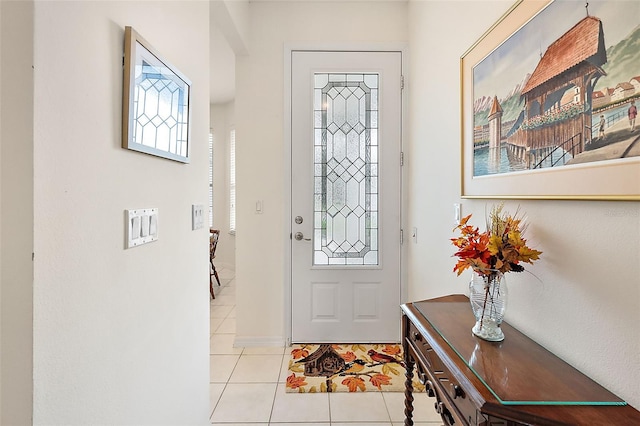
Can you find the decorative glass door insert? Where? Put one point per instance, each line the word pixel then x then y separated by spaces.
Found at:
pixel 346 169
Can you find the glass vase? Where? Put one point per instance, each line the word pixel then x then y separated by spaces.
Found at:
pixel 488 297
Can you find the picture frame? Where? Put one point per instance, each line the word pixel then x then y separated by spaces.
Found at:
pixel 530 113
pixel 156 102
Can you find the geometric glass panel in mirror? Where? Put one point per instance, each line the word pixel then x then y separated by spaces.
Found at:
pixel 159 109
pixel 345 169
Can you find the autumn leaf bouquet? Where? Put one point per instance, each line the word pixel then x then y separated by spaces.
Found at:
pixel 500 248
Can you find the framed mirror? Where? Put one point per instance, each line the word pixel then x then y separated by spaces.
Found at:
pixel 156 102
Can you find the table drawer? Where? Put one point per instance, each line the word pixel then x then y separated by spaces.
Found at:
pixel 450 394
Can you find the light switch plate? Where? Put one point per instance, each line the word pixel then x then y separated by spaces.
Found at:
pixel 142 226
pixel 197 216
pixel 457 211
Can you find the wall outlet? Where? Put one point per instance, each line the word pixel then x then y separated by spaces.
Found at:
pixel 197 216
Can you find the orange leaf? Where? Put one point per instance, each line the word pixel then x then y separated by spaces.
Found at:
pixel 464 220
pixel 354 383
pixel 299 353
pixel 380 379
pixel 294 382
pixel 349 356
pixel 392 349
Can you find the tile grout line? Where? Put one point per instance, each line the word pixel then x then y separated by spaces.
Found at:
pixel 331 420
pixel 275 393
pixel 238 360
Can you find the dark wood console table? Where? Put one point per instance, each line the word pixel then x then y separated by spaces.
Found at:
pixel 480 383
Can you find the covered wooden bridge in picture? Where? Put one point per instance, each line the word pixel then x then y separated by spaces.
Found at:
pixel 557 109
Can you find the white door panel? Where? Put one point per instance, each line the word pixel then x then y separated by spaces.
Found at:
pixel 346 193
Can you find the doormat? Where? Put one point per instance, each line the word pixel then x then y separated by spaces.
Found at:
pixel 347 368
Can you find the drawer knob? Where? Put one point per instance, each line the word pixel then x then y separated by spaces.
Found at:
pixel 456 391
pixel 428 387
pixel 417 336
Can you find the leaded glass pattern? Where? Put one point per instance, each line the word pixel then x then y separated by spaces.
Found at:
pixel 346 169
pixel 160 110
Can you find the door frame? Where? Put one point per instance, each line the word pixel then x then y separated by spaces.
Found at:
pixel 289 48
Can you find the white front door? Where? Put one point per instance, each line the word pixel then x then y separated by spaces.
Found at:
pixel 346 114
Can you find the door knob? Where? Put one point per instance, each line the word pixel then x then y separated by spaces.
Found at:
pixel 299 236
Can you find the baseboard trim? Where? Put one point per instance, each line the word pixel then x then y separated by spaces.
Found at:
pixel 256 341
pixel 226 265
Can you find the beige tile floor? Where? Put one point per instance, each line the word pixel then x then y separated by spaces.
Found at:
pixel 248 384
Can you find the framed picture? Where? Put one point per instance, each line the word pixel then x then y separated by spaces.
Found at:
pixel 155 102
pixel 549 102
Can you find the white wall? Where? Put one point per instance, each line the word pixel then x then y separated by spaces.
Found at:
pixel 585 307
pixel 260 241
pixel 16 211
pixel 239 14
pixel 222 68
pixel 1 400
pixel 222 121
pixel 232 19
pixel 120 336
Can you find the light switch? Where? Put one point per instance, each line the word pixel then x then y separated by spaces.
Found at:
pixel 153 225
pixel 457 213
pixel 135 226
pixel 142 226
pixel 197 216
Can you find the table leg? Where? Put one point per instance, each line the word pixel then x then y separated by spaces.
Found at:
pixel 408 388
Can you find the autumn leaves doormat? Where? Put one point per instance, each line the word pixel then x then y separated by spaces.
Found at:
pixel 347 368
